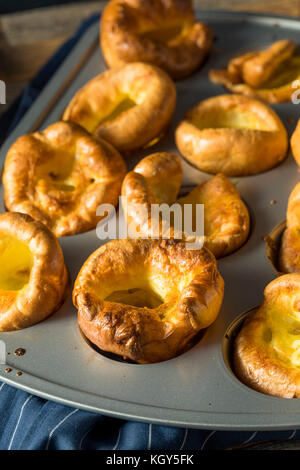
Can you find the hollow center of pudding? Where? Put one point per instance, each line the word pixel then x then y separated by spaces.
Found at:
pixel 233 119
pixel 137 297
pixel 61 183
pixel 163 34
pixel 16 261
pixel 142 285
pixel 115 109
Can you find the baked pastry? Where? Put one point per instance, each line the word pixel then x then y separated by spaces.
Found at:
pixel 157 179
pixel 289 253
pixel 130 106
pixel 295 143
pixel 267 349
pixel 160 32
pixel 146 299
pixel 33 275
pixel 267 75
pixel 226 217
pixel 60 176
pixel 233 135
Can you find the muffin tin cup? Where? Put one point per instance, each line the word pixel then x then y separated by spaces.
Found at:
pixel 198 388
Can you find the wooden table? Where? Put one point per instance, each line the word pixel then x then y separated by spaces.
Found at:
pixel 28 39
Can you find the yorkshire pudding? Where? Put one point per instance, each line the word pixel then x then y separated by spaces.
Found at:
pixel 233 135
pixel 163 33
pixel 295 143
pixel 267 75
pixel 146 299
pixel 289 254
pixel 267 349
pixel 130 106
pixel 33 276
pixel 60 176
pixel 157 179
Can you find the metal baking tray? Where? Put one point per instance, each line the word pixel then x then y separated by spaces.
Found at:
pixel 196 389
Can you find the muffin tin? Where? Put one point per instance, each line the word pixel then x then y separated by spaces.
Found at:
pixel 197 389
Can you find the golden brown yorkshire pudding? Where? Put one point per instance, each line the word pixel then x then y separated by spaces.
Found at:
pixel 233 135
pixel 160 32
pixel 267 75
pixel 267 349
pixel 146 299
pixel 295 143
pixel 289 254
pixel 129 106
pixel 157 180
pixel 60 176
pixel 33 276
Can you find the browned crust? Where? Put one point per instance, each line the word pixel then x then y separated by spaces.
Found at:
pixel 96 177
pixel 136 127
pixel 157 180
pixel 256 362
pixel 122 41
pixel 252 74
pixel 48 280
pixel 142 334
pixel 229 150
pixel 295 143
pixel 289 254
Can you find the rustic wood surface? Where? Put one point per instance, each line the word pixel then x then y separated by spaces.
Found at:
pixel 28 39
